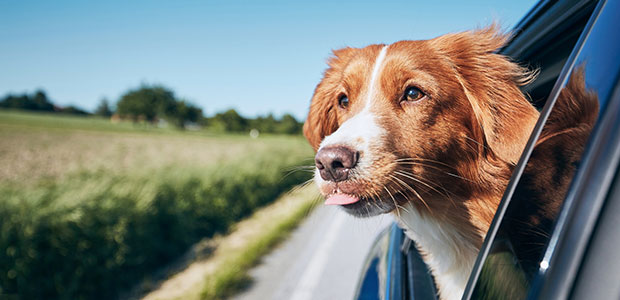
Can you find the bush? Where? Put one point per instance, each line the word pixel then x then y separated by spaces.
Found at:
pixel 95 234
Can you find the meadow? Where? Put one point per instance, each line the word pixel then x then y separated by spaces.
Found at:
pixel 88 208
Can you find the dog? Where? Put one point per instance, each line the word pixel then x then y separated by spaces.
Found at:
pixel 428 131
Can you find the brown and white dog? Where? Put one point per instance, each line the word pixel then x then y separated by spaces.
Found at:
pixel 427 130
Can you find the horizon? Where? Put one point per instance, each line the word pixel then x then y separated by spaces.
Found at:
pixel 255 58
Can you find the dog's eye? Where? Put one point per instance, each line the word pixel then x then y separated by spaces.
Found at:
pixel 343 101
pixel 413 94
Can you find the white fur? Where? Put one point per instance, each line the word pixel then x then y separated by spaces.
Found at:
pixel 362 128
pixel 355 132
pixel 445 251
pixel 373 77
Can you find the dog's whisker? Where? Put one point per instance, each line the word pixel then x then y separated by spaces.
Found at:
pixel 413 191
pixel 406 197
pixel 436 168
pixel 417 180
pixel 416 163
pixel 445 191
pixel 291 172
pixel 367 210
pixel 377 199
pixel 439 186
pixel 393 200
pixel 424 160
pixel 302 168
pixel 302 185
pixel 404 166
pixel 458 176
pixel 402 207
pixel 480 144
pixel 422 179
pixel 398 207
pixel 428 184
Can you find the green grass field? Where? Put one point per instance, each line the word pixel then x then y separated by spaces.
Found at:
pixel 88 207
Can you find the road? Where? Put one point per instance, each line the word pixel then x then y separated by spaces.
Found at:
pixel 322 259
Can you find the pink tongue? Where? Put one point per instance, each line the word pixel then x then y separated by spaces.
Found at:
pixel 341 199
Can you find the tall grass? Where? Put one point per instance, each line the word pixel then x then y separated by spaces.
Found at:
pixel 93 232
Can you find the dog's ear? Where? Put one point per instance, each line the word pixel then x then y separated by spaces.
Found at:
pixel 491 83
pixel 322 119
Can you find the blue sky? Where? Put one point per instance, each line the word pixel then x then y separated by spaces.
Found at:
pixel 255 56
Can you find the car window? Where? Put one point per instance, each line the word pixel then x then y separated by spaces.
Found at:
pixel 372 284
pixel 384 268
pixel 419 283
pixel 547 43
pixel 516 248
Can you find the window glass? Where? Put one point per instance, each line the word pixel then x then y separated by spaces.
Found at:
pixel 374 273
pixel 519 245
pixel 517 249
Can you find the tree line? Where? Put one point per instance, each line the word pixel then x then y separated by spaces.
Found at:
pixel 38 102
pixel 156 104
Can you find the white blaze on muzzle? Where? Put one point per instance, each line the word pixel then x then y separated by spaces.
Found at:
pixel 362 128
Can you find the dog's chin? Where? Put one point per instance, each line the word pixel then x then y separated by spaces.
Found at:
pixel 365 208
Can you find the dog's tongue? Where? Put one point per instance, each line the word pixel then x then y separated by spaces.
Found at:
pixel 341 199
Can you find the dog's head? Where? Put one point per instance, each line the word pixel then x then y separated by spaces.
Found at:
pixel 400 122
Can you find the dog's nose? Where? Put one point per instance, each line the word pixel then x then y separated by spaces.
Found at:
pixel 335 162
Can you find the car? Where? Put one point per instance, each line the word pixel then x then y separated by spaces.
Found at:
pixel 572 250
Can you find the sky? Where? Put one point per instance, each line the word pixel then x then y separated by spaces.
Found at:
pixel 257 57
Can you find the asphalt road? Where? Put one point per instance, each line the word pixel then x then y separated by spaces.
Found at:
pixel 321 260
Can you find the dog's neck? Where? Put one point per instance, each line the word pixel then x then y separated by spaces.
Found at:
pixel 449 237
pixel 447 253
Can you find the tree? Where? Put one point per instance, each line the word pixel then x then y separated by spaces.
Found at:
pixel 186 112
pixel 103 109
pixel 41 102
pixel 73 110
pixel 38 101
pixel 265 124
pixel 148 102
pixel 229 120
pixel 289 125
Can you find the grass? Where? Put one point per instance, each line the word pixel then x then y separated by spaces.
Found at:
pixel 56 121
pixel 42 146
pixel 89 207
pixel 233 275
pixel 224 273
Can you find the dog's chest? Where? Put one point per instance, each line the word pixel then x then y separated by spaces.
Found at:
pixel 449 256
